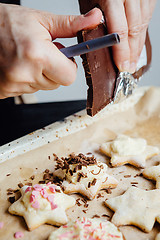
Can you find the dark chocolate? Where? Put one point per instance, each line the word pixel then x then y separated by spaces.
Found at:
pixel 100 72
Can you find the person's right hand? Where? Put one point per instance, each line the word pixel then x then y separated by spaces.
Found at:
pixel 29 61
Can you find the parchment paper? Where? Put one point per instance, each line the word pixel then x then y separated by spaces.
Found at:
pixel 143 120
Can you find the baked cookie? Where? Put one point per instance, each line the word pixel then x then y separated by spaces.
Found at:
pixel 136 207
pixel 153 173
pixel 85 228
pixel 84 175
pixel 157 237
pixel 42 203
pixel 125 150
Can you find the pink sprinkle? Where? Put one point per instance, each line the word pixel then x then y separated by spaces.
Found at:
pixel 53 206
pixel 65 235
pixel 28 189
pixel 65 226
pixel 50 198
pixel 1 225
pixel 19 235
pixel 37 187
pixel 44 193
pixel 49 183
pixel 32 198
pixel 35 205
pixel 52 189
pixel 35 193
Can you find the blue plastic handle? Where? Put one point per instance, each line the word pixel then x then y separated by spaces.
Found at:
pixel 91 45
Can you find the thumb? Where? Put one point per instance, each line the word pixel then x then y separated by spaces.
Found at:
pixel 60 26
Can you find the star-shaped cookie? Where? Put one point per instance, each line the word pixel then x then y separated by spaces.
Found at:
pixel 124 149
pixel 86 228
pixel 42 203
pixel 136 207
pixel 157 237
pixel 153 173
pixel 84 175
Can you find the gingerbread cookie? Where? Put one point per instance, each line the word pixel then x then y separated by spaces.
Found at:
pixel 153 173
pixel 42 203
pixel 124 149
pixel 85 228
pixel 84 175
pixel 136 207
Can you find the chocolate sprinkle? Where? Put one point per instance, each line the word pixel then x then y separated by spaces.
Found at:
pixel 80 160
pixel 32 177
pixel 127 176
pixel 20 185
pixel 11 199
pixel 94 181
pixel 96 216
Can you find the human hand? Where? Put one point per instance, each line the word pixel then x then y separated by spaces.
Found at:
pixel 130 19
pixel 29 61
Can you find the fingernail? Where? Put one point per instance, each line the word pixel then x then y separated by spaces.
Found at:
pixel 89 13
pixel 125 66
pixel 133 66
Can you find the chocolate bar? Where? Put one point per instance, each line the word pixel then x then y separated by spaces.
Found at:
pixel 100 72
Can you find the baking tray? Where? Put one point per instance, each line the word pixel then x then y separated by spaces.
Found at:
pixel 139 115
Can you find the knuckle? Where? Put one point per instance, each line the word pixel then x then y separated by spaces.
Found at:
pixel 33 53
pixel 136 30
pixel 123 33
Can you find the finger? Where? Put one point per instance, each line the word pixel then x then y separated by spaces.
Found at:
pixel 145 13
pixel 8 89
pixel 152 4
pixel 68 26
pixel 135 30
pixel 57 67
pixel 45 84
pixel 116 22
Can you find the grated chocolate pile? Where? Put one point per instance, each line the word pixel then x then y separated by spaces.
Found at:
pixel 80 160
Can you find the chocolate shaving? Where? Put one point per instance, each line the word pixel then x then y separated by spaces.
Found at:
pixel 99 195
pixel 9 193
pixel 71 172
pixel 127 176
pixel 11 199
pixel 105 180
pixel 84 200
pixel 28 183
pixel 105 215
pixel 41 182
pixel 108 190
pixel 94 181
pixel 96 173
pixel 85 211
pixel 86 205
pixel 20 185
pixel 96 216
pixel 10 190
pixel 77 202
pixel 80 160
pixel 32 177
pixel 57 190
pixel 89 184
pixel 134 182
